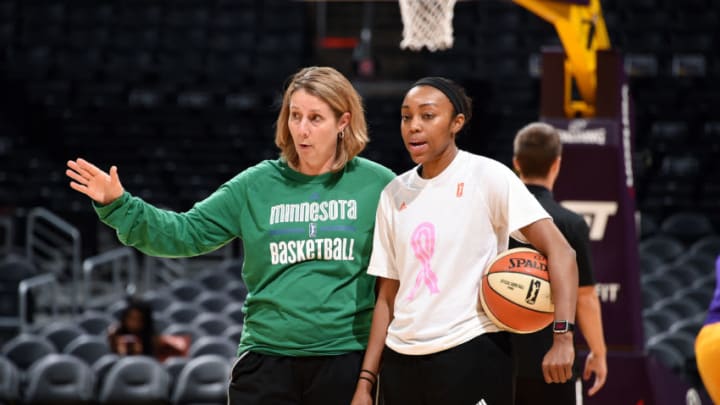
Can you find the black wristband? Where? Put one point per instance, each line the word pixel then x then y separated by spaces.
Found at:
pixel 369 372
pixel 362 377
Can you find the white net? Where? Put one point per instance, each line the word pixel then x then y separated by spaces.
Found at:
pixel 427 23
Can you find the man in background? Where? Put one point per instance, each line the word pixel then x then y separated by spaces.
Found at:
pixel 537 154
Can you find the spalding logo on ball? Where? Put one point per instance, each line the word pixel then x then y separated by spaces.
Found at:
pixel 515 291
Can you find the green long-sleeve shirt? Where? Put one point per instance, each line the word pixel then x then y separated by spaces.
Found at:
pixel 307 242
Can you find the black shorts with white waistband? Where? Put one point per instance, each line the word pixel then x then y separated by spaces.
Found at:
pixel 478 372
pixel 260 379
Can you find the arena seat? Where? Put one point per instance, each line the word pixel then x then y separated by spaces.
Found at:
pixel 235 312
pixel 702 262
pixel 706 283
pixel 173 366
pixel 649 226
pixel 158 300
pixel 702 297
pixel 180 329
pixel 233 332
pixel 649 263
pixel 213 301
pixel 683 308
pixel 135 380
pixel 641 65
pixel 685 273
pixel 689 64
pixel 709 244
pixel 14 269
pixel 95 322
pixel 665 247
pixel 186 290
pixel 668 136
pixel 203 380
pixel 88 348
pixel 667 355
pixel 212 323
pixel 101 367
pixel 683 342
pixel 24 349
pixel 59 379
pixel 116 309
pixel 60 333
pixel 9 381
pixel 237 290
pixel 650 297
pixel 661 319
pixel 214 279
pixel 685 166
pixel 213 345
pixel 666 286
pixel 182 312
pixel 689 326
pixel 687 227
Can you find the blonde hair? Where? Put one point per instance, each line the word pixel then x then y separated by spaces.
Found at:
pixel 334 89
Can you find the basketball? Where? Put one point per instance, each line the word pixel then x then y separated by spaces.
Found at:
pixel 515 291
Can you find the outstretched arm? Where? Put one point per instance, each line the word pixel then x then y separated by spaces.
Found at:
pixel 590 322
pixel 102 187
pixel 207 226
pixel 382 315
pixel 546 237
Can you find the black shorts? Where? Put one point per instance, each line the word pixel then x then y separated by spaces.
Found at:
pixel 475 372
pixel 533 391
pixel 259 379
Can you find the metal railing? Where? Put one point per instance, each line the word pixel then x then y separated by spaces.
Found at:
pixel 117 260
pixel 32 283
pixel 52 242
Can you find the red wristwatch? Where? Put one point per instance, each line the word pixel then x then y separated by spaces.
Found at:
pixel 563 326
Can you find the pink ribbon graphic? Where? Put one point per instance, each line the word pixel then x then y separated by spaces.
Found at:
pixel 423 243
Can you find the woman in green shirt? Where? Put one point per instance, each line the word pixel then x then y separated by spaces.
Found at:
pixel 306 223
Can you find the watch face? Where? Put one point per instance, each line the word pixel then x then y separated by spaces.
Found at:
pixel 560 326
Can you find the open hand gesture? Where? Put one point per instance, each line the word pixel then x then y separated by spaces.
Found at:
pixel 102 187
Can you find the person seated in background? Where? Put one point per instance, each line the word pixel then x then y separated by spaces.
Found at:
pixel 134 334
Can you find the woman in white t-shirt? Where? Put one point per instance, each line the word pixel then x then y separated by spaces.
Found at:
pixel 437 227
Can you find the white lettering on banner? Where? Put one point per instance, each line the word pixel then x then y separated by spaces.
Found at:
pixel 627 147
pixel 577 132
pixel 596 214
pixel 295 251
pixel 608 292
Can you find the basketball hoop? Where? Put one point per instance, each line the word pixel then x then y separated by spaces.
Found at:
pixel 427 23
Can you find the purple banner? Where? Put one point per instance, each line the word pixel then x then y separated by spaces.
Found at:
pixel 596 182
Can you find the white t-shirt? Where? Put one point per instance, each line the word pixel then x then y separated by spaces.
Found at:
pixel 437 236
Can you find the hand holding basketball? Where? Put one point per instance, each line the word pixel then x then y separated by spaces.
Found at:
pixel 102 187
